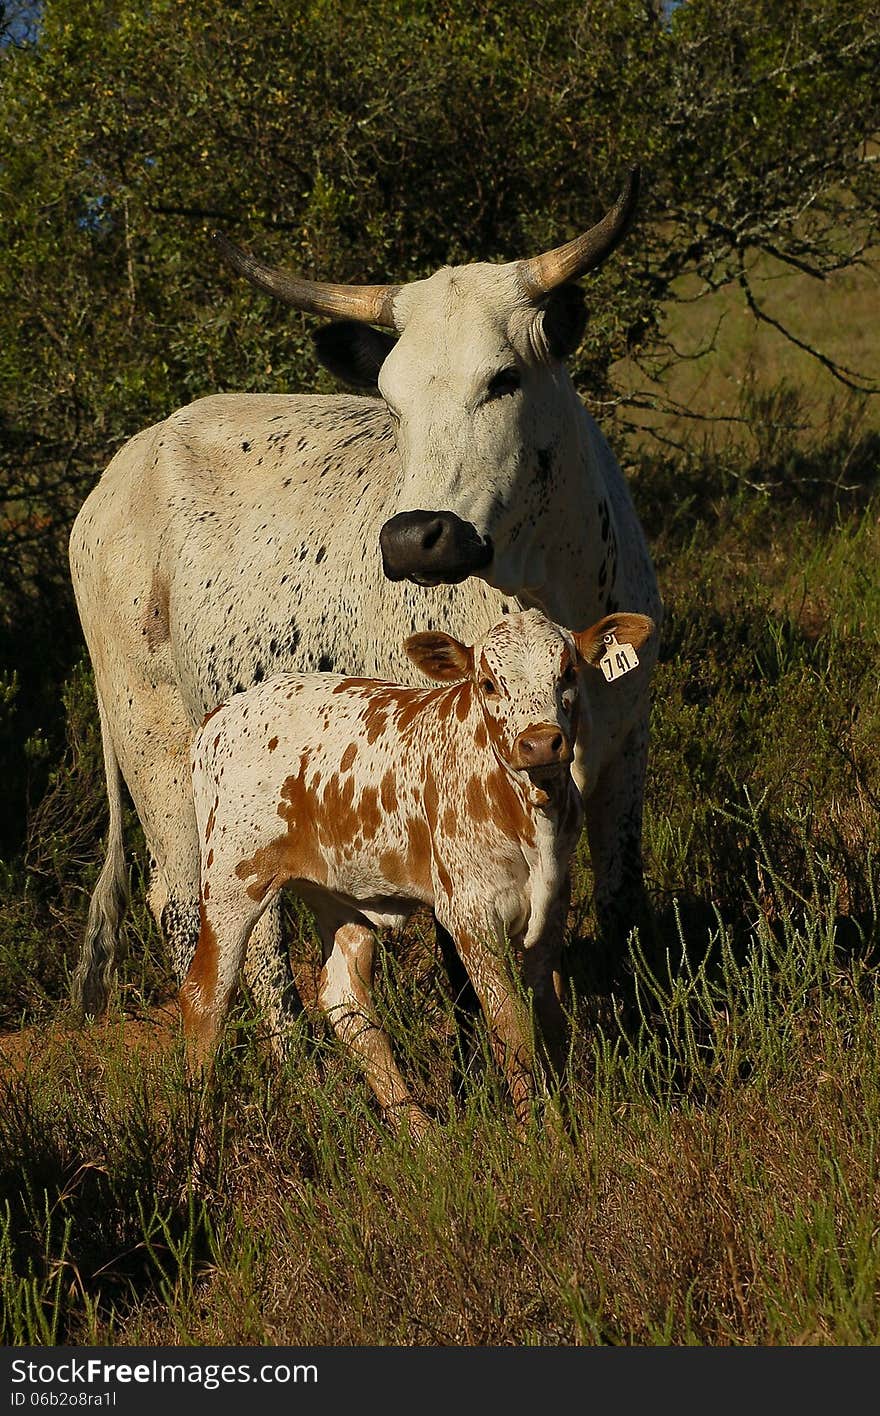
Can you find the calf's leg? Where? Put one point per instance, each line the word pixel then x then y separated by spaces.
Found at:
pixel 227 919
pixel 344 995
pixel 506 1015
pixel 542 976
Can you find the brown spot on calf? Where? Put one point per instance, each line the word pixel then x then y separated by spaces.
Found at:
pixel 477 803
pixel 392 866
pixel 368 810
pixel 297 854
pixel 375 720
pixel 337 820
pixel 388 792
pixel 418 855
pixel 507 809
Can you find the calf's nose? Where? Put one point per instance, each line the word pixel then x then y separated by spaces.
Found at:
pixel 541 746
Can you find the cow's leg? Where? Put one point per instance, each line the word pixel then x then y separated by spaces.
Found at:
pixel 614 831
pixel 270 981
pixel 146 733
pixel 465 1005
pixel 344 995
pixel 506 1015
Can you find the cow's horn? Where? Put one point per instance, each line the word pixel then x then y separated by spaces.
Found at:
pixel 569 262
pixel 371 304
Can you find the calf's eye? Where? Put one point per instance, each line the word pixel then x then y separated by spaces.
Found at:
pixel 488 687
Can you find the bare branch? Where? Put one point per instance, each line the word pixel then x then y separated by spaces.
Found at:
pixel 845 375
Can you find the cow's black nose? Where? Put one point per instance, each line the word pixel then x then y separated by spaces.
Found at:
pixel 432 548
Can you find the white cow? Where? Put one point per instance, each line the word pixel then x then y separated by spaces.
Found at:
pixel 251 533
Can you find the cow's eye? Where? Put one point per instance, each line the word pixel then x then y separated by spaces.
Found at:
pixel 504 382
pixel 488 687
pixel 570 674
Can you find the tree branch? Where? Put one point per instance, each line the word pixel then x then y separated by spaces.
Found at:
pixel 843 374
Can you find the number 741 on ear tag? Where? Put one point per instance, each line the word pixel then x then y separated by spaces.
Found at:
pixel 618 659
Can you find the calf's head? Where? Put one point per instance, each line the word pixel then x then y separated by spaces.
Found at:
pixel 484 415
pixel 526 679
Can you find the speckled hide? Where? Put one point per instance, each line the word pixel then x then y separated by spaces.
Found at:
pixel 241 537
pixel 373 798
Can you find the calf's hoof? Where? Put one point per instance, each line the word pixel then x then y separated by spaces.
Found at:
pixel 410 1120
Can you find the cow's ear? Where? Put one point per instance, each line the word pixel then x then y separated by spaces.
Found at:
pixel 440 657
pixel 627 629
pixel 563 320
pixel 353 352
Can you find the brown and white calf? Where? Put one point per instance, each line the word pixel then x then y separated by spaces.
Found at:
pixel 372 799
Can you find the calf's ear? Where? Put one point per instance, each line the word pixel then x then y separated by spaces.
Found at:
pixel 440 657
pixel 626 628
pixel 353 352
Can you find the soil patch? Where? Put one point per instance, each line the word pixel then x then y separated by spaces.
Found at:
pixel 148 1034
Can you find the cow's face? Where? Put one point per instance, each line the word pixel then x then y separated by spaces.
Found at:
pixel 526 679
pixel 484 416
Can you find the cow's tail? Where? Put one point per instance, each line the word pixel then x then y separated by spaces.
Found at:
pixel 90 986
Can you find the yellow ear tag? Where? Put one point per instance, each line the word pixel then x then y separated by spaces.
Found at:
pixel 618 659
